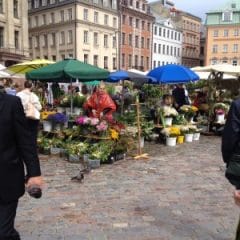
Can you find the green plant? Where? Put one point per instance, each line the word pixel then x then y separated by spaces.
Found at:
pixel 78 101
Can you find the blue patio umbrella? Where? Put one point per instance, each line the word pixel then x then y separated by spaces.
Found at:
pixel 173 74
pixel 137 78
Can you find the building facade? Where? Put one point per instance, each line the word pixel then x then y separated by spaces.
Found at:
pixel 13 32
pixel 85 30
pixel 167 43
pixel 223 35
pixel 190 26
pixel 136 24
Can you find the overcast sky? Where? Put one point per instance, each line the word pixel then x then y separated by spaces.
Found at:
pixel 198 7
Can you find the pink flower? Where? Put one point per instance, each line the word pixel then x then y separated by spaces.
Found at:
pixel 102 126
pixel 94 121
pixel 219 111
pixel 80 120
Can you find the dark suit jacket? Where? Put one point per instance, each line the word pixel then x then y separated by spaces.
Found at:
pixel 16 149
pixel 231 133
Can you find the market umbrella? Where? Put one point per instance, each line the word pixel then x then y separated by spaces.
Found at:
pixel 137 78
pixel 173 74
pixel 68 70
pixel 25 67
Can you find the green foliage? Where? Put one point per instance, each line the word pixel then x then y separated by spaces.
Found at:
pixel 152 91
pixel 78 101
pixel 110 89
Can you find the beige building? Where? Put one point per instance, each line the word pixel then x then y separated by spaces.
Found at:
pixel 190 26
pixel 13 32
pixel 223 35
pixel 85 30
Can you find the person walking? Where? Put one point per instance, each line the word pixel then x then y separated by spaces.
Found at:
pixel 28 97
pixel 16 150
pixel 231 152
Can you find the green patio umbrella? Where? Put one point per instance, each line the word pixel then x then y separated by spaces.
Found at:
pixel 68 70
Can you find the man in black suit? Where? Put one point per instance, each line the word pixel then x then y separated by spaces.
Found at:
pixel 16 150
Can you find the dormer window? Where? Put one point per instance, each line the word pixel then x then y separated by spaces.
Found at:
pixel 227 16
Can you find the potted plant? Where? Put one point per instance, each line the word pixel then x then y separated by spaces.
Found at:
pixel 44 145
pixel 58 120
pixel 78 102
pixel 189 112
pixel 57 146
pixel 171 134
pixel 220 110
pixel 166 114
pixel 188 132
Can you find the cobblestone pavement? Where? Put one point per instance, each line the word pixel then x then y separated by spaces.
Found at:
pixel 179 193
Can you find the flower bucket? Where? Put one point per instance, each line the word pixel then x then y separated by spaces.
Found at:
pixel 73 158
pixel 180 139
pixel 47 126
pixel 220 118
pixel 196 136
pixel 55 150
pixel 94 163
pixel 168 121
pixel 77 110
pixel 171 141
pixel 188 137
pixel 60 109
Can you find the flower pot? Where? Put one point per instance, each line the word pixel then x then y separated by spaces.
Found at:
pixel 171 141
pixel 47 126
pixel 94 163
pixel 77 110
pixel 60 109
pixel 220 118
pixel 196 136
pixel 189 137
pixel 180 139
pixel 73 158
pixel 168 121
pixel 55 150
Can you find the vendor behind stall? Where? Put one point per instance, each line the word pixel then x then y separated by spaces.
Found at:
pixel 100 104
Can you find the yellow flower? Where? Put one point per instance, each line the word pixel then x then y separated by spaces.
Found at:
pixel 174 131
pixel 195 109
pixel 114 134
pixel 45 114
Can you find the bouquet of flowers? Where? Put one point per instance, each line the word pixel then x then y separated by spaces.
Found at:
pixel 188 111
pixel 220 108
pixel 58 118
pixel 166 111
pixel 171 132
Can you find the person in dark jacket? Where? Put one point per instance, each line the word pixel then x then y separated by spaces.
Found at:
pixel 231 148
pixel 16 150
pixel 180 97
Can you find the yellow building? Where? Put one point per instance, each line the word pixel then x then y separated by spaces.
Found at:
pixel 223 35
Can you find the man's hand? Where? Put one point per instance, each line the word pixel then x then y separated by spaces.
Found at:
pixel 35 181
pixel 236 196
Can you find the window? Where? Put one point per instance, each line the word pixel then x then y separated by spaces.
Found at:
pixel 70 36
pixel 235 48
pixel 96 17
pixel 52 1
pixel 95 1
pixel 123 60
pixel 95 60
pixel 123 19
pixel 114 4
pixel 53 40
pixel 227 16
pixel 142 42
pixel 130 21
pixel 114 63
pixel 136 41
pixel 129 60
pixel 36 3
pixel 114 42
pixel 105 59
pixel 44 21
pixel 85 58
pixel 105 3
pixel 155 30
pixel 106 19
pixel 62 56
pixel 148 26
pixel 155 48
pixel 36 21
pixel 148 43
pixel 62 15
pixel 136 61
pixel 15 8
pixel 137 4
pixel 143 25
pixel 70 16
pixel 52 17
pixel 114 22
pixel 215 33
pixel 130 39
pixel 234 62
pixel 62 37
pixel 54 57
pixel 44 3
pixel 236 32
pixel 95 39
pixel 16 39
pixel 147 62
pixel 137 23
pixel 225 48
pixel 159 48
pixel 85 14
pixel 85 36
pixel 105 41
pixel 123 38
pixel 142 61
pixel 225 33
pixel 215 48
pixel 30 42
pixel 37 42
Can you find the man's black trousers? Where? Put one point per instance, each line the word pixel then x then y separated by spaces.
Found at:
pixel 7 217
